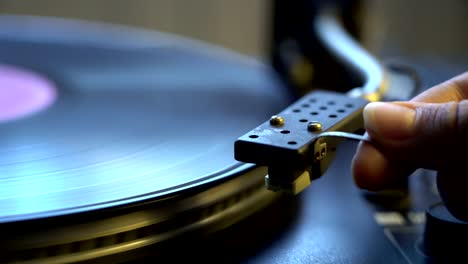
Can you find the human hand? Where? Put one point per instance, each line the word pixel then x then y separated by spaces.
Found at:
pixel 430 131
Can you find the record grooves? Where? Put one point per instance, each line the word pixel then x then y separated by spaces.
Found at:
pixel 138 144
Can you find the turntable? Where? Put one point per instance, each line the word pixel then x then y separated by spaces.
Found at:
pixel 117 144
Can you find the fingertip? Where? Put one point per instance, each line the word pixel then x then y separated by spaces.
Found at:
pixel 369 168
pixel 389 121
pixel 373 171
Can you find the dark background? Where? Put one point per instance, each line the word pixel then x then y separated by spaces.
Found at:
pixel 389 28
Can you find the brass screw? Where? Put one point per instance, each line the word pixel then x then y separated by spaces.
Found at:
pixel 314 126
pixel 276 121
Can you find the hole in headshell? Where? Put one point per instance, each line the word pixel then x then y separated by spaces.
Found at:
pixel 253 136
pixel 296 110
pixel 349 105
pixel 292 142
pixel 312 100
pixel 305 105
pixel 323 108
pixel 331 102
pixel 314 113
pixel 332 116
pixel 303 120
pixel 340 110
pixel 285 132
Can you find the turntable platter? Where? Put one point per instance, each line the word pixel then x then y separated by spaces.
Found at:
pixel 138 115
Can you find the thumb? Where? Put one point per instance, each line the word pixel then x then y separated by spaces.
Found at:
pixel 424 135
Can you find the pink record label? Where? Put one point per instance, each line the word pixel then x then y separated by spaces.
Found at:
pixel 23 92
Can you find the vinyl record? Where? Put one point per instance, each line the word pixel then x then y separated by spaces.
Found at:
pixel 132 115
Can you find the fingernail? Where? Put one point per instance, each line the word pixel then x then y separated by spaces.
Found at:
pixel 389 120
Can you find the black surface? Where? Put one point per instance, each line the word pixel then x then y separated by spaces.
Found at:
pixel 444 235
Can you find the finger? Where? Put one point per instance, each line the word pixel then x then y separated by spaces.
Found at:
pixel 418 134
pixel 373 171
pixel 455 89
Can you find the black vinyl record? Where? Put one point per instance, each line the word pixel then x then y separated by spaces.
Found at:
pixel 138 115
